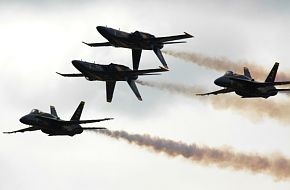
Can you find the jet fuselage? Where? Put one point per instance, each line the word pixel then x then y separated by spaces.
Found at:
pixel 136 40
pixel 243 89
pixel 99 72
pixel 50 128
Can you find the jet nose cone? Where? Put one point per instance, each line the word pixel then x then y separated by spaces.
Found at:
pixel 24 120
pixel 101 29
pixel 76 63
pixel 218 81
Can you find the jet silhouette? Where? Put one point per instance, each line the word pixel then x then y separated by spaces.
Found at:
pixel 111 73
pixel 137 41
pixel 52 125
pixel 246 87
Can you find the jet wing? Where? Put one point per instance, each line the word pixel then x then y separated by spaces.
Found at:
pixel 144 72
pixel 259 84
pixel 71 75
pixel 282 83
pixel 98 44
pixel 172 38
pixel 71 122
pixel 222 91
pixel 23 130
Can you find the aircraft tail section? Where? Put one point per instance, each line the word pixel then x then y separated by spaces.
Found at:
pixel 158 52
pixel 77 115
pixel 53 111
pixel 247 72
pixel 110 87
pixel 272 75
pixel 134 88
pixel 136 55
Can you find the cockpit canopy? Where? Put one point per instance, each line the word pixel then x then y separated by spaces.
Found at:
pixel 34 111
pixel 229 73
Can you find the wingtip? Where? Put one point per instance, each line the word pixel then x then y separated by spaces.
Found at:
pixel 164 68
pixel 188 35
pixel 139 98
pixel 59 73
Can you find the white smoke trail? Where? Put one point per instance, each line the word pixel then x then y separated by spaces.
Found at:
pixel 254 109
pixel 223 64
pixel 275 165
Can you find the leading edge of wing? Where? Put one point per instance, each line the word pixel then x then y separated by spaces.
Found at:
pixel 98 44
pixel 176 37
pixel 222 91
pixel 70 75
pixel 23 130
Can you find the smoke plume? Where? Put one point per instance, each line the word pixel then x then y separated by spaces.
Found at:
pixel 254 109
pixel 275 165
pixel 223 64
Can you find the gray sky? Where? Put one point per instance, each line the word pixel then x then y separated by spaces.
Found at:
pixel 39 38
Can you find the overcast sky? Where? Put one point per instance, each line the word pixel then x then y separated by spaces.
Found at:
pixel 39 38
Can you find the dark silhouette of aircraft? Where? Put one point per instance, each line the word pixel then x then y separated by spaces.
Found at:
pixel 246 87
pixel 52 125
pixel 111 73
pixel 137 41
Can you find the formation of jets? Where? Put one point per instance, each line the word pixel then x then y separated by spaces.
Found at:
pixel 49 123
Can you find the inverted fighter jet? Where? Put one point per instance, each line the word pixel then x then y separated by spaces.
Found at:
pixel 111 73
pixel 137 41
pixel 52 125
pixel 246 87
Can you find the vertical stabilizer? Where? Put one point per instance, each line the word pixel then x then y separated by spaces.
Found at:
pixel 110 87
pixel 158 52
pixel 77 115
pixel 272 75
pixel 247 73
pixel 134 88
pixel 53 111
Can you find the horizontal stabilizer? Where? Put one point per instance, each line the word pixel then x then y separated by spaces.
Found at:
pixel 71 75
pixel 98 44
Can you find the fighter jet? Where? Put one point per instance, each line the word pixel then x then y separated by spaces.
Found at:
pixel 110 73
pixel 137 41
pixel 52 125
pixel 246 87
